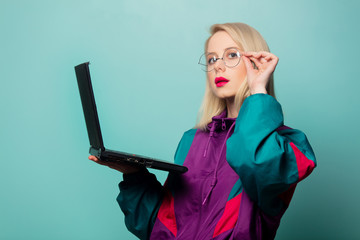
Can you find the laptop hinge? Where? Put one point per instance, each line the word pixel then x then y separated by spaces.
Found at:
pixel 94 151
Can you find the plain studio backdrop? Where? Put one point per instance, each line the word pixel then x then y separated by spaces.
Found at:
pixel 148 87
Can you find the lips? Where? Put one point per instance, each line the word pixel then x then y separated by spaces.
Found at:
pixel 221 81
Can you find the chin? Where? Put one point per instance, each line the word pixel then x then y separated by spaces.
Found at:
pixel 224 94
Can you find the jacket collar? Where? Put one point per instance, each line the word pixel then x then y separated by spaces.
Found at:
pixel 220 122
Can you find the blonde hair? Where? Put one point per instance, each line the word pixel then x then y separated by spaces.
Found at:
pixel 247 39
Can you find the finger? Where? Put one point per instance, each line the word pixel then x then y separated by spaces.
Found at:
pixel 258 54
pixel 98 161
pixel 261 60
pixel 265 53
pixel 248 64
pixel 272 59
pixel 268 56
pixel 248 54
pixel 93 158
pixel 253 54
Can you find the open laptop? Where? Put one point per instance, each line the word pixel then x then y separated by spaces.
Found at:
pixel 93 128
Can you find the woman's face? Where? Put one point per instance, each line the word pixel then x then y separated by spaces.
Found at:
pixel 236 75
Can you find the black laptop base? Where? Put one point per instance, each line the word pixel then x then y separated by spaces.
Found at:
pixel 136 160
pixel 114 156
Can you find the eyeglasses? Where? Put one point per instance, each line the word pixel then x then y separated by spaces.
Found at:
pixel 231 58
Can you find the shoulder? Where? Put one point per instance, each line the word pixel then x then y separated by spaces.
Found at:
pixel 188 136
pixel 190 133
pixel 184 145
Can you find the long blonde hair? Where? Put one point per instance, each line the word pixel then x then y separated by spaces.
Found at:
pixel 247 39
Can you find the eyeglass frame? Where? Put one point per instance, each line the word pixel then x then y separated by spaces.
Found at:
pixel 222 58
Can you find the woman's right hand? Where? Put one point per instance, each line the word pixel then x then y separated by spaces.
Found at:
pixel 124 168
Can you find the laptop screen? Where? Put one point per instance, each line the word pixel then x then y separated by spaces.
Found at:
pixel 89 106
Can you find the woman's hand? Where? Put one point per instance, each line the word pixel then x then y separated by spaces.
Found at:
pixel 124 168
pixel 258 78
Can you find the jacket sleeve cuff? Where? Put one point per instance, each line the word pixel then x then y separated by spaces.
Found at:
pixel 135 178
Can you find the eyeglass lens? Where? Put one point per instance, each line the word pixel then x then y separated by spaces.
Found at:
pixel 231 58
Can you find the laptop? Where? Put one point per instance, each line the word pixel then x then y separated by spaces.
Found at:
pixel 97 147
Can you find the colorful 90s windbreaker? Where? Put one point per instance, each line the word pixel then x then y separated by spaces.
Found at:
pixel 242 175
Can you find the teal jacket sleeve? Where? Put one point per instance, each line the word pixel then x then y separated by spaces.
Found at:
pixel 140 198
pixel 141 195
pixel 269 157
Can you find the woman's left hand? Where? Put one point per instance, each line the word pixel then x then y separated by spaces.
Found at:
pixel 258 78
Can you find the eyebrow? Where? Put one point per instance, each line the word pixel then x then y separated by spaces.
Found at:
pixel 224 49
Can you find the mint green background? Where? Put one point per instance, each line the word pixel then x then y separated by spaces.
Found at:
pixel 148 88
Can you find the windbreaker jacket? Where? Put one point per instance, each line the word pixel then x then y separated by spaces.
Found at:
pixel 242 175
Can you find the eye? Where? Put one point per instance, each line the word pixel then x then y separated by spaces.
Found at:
pixel 233 55
pixel 211 60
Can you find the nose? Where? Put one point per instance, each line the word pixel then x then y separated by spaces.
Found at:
pixel 219 65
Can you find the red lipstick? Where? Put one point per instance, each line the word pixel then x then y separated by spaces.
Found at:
pixel 221 81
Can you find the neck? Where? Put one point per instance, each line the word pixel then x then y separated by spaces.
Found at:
pixel 232 111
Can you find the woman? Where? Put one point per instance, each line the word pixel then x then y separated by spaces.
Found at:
pixel 243 163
